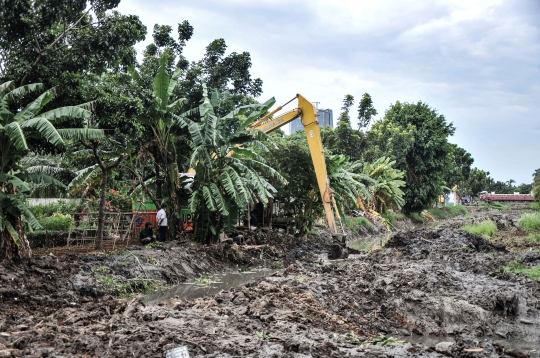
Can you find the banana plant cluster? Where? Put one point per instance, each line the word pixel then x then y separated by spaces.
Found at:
pixel 19 126
pixel 230 174
pixel 386 185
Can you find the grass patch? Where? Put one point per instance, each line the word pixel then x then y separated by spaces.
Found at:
pixel 448 212
pixel 517 266
pixel 497 205
pixel 128 288
pixel 457 210
pixel 534 238
pixel 485 229
pixel 415 217
pixel 365 342
pixel 390 216
pixel 354 224
pixel 535 206
pixel 530 222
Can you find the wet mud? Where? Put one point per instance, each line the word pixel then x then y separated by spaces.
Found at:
pixel 439 283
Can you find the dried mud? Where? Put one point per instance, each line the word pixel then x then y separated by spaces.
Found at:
pixel 436 282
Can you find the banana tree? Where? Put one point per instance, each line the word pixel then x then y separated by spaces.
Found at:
pixel 386 190
pixel 19 126
pixel 159 117
pixel 226 183
pixel 348 181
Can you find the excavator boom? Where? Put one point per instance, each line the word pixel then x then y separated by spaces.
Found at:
pixel 308 114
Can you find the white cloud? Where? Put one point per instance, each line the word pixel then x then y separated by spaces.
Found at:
pixel 475 61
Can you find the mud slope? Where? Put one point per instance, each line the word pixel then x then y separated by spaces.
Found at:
pixel 436 282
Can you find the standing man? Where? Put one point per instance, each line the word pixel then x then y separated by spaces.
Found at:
pixel 161 218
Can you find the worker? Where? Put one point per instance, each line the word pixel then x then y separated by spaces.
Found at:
pixel 147 235
pixel 161 218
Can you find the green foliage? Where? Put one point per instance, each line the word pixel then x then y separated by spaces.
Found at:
pixel 477 181
pixel 416 137
pixel 448 212
pixel 19 123
pixel 536 185
pixel 517 266
pixel 486 229
pixel 386 190
pixel 354 224
pixel 348 181
pixel 535 206
pixel 530 222
pixel 300 196
pixel 416 217
pixel 366 111
pixel 59 43
pixel 56 222
pixel 60 207
pixel 225 184
pixel 497 205
pixel 458 172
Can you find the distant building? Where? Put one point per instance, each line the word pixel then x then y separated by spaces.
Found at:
pixel 326 119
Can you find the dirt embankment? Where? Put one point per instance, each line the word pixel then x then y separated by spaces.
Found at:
pixel 432 282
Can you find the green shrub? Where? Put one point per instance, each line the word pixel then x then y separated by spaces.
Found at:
pixel 47 210
pixel 57 222
pixel 530 222
pixel 535 206
pixel 485 229
pixel 354 224
pixel 390 216
pixel 415 217
pixel 497 205
pixel 438 213
pixel 458 210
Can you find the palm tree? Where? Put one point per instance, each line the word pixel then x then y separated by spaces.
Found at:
pixel 19 125
pixel 226 183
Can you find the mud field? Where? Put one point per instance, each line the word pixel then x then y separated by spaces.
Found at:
pixel 443 289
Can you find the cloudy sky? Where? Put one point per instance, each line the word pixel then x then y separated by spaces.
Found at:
pixel 476 61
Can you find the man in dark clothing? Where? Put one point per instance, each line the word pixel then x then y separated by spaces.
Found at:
pixel 147 236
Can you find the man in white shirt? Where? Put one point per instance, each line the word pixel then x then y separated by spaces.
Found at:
pixel 161 218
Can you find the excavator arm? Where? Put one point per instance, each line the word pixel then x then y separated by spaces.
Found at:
pixel 308 114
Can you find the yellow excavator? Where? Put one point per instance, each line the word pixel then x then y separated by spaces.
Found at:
pixel 308 114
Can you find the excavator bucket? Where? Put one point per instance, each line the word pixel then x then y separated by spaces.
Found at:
pixel 338 250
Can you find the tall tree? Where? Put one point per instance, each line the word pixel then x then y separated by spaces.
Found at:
pixel 477 181
pixel 536 185
pixel 366 111
pixel 425 149
pixel 457 173
pixel 59 42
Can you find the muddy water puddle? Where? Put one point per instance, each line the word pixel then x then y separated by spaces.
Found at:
pixel 207 285
pixel 368 243
pixel 531 348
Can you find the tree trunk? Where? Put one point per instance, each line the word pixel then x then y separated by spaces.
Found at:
pixel 8 248
pixel 159 183
pixel 101 215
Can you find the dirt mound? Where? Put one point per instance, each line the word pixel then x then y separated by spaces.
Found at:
pixel 421 243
